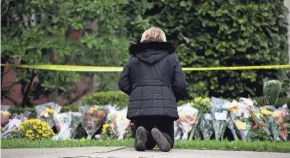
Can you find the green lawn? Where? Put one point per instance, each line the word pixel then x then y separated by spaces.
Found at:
pixel 199 145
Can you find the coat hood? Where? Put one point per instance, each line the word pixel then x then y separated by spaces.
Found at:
pixel 151 51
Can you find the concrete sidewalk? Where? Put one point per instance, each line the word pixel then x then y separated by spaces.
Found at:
pixel 123 152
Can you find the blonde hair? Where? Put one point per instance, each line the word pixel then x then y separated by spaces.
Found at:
pixel 153 33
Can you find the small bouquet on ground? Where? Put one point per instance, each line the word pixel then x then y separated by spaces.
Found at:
pixel 258 119
pixel 66 124
pixel 186 122
pixel 46 111
pixel 35 129
pixel 12 128
pixel 220 116
pixel 280 116
pixel 93 119
pixel 4 118
pixel 240 115
pixel 206 126
pixel 202 104
pixel 275 120
pixel 119 123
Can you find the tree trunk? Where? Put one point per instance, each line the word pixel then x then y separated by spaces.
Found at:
pixel 26 99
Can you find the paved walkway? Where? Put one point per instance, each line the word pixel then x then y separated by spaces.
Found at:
pixel 123 152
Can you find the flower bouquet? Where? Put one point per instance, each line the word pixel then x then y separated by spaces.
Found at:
pixel 220 116
pixel 119 123
pixel 93 119
pixel 258 119
pixel 12 128
pixel 4 118
pixel 276 121
pixel 240 115
pixel 206 126
pixel 186 122
pixel 46 111
pixel 66 124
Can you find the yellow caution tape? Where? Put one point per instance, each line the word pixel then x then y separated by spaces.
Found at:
pixel 118 69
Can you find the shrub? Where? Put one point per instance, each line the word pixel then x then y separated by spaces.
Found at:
pixel 35 129
pixel 271 91
pixel 20 110
pixel 111 97
pixel 71 107
pixel 211 33
pixel 104 98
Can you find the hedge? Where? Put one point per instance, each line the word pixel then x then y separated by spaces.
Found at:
pixel 111 97
pixel 212 33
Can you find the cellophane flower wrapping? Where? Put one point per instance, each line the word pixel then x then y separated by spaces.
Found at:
pixel 93 119
pixel 13 125
pixel 220 116
pixel 206 126
pixel 67 124
pixel 240 116
pixel 118 122
pixel 45 112
pixel 186 122
pixel 275 120
pixel 258 119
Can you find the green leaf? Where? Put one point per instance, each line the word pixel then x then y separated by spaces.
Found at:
pixel 183 4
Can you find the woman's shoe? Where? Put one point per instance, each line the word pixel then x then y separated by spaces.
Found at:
pixel 141 138
pixel 160 140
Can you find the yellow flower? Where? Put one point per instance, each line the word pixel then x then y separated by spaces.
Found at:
pixel 105 128
pixel 37 121
pixel 205 101
pixel 34 128
pixel 233 108
pixel 29 131
pixel 198 99
pixel 27 134
pixel 44 124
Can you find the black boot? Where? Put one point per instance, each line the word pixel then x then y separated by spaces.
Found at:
pixel 161 141
pixel 140 139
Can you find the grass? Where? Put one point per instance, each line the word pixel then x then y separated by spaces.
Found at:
pixel 198 145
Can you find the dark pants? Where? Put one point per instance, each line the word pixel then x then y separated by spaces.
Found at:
pixel 164 124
